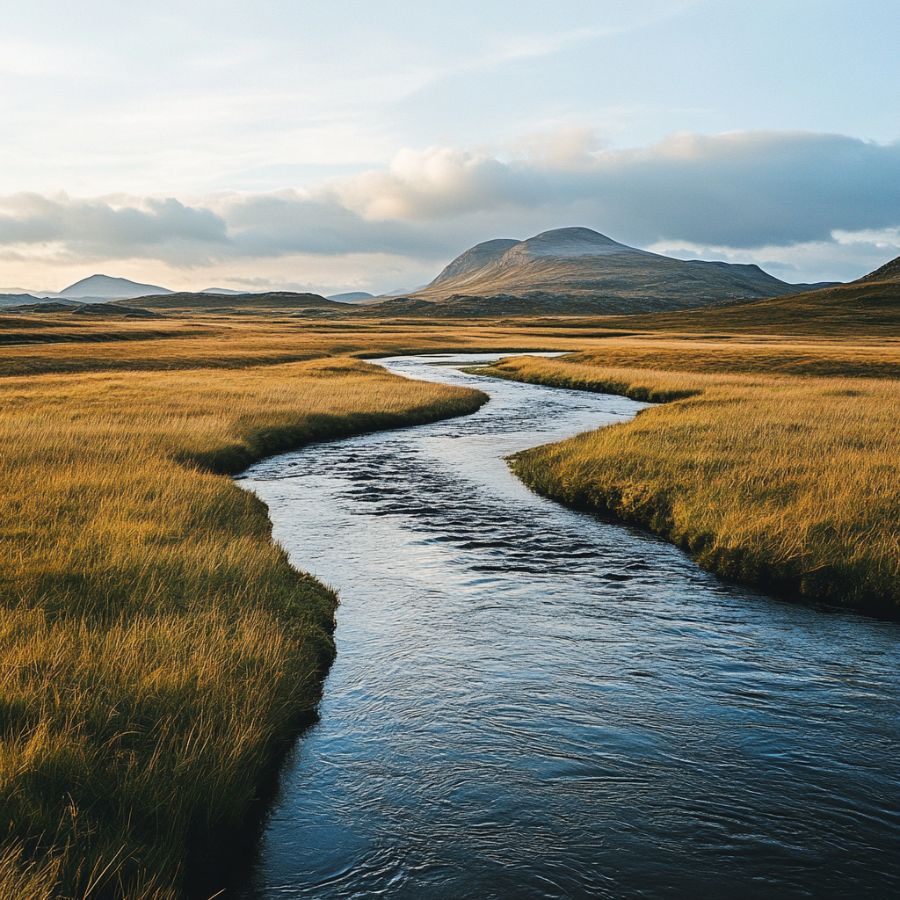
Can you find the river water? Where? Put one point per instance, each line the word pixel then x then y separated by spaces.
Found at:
pixel 530 702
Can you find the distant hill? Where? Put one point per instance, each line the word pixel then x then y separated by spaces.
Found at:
pixel 17 299
pixel 105 287
pixel 273 300
pixel 890 271
pixel 869 305
pixel 352 297
pixel 465 306
pixel 584 265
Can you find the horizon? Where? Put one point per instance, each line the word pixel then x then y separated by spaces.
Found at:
pixel 212 288
pixel 308 149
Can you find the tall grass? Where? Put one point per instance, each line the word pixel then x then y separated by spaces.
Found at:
pixel 33 347
pixel 156 648
pixel 786 482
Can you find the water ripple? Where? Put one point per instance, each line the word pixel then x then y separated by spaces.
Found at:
pixel 529 702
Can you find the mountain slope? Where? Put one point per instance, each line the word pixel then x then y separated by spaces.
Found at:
pixel 582 264
pixel 868 306
pixel 16 299
pixel 890 271
pixel 104 287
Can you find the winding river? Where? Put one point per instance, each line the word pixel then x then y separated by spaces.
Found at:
pixel 530 702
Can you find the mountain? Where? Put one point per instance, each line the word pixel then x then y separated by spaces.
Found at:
pixel 584 265
pixel 352 297
pixel 474 260
pixel 890 271
pixel 869 306
pixel 104 287
pixel 16 299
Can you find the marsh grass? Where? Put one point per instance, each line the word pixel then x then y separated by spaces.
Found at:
pixel 157 651
pixel 156 648
pixel 787 482
pixel 68 343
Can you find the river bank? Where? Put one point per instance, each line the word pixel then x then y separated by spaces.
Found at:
pixel 530 701
pixel 785 482
pixel 158 649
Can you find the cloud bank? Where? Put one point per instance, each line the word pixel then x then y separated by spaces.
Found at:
pixel 749 192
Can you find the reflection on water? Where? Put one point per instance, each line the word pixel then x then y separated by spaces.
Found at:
pixel 528 702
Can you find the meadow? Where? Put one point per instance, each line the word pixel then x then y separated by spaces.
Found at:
pixel 158 652
pixel 784 481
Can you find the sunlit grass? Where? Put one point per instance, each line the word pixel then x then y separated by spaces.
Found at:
pixel 156 648
pixel 788 482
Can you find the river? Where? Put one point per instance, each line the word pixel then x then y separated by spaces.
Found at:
pixel 530 702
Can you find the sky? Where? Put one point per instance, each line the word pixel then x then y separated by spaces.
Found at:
pixel 337 145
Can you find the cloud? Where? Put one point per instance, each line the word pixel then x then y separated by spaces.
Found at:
pixel 319 222
pixel 741 190
pixel 749 192
pixel 151 228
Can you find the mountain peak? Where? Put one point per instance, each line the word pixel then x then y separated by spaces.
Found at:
pixel 575 241
pixel 475 258
pixel 107 287
pixel 581 264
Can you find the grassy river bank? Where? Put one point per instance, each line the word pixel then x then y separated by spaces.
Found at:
pixel 784 481
pixel 157 651
pixel 156 648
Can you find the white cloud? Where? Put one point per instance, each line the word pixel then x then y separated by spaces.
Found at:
pixel 818 202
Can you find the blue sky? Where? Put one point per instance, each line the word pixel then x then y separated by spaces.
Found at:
pixel 358 145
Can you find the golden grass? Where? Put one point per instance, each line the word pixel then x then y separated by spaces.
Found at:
pixel 786 482
pixel 75 345
pixel 796 356
pixel 156 648
pixel 861 308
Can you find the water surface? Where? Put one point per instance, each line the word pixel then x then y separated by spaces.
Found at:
pixel 529 702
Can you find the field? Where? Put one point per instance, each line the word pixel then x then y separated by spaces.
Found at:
pixel 785 481
pixel 157 651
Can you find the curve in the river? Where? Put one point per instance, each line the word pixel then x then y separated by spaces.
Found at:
pixel 530 702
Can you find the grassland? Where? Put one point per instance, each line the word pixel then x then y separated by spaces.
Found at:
pixel 57 344
pixel 156 648
pixel 786 481
pixel 860 309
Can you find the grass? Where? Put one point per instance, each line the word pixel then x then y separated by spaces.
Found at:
pixel 861 308
pixel 789 482
pixel 156 648
pixel 76 344
pixel 157 651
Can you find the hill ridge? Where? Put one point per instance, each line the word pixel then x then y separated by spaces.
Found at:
pixel 579 263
